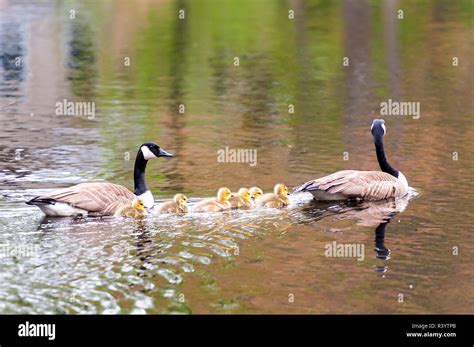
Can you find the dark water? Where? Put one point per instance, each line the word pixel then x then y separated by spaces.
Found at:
pixel 259 261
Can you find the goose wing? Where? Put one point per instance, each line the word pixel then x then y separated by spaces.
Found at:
pixel 371 185
pixel 103 198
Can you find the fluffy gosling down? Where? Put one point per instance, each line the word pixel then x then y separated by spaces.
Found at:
pixel 243 200
pixel 179 204
pixel 255 192
pixel 279 197
pixel 220 203
pixel 133 210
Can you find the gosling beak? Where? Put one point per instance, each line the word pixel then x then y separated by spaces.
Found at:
pixel 163 153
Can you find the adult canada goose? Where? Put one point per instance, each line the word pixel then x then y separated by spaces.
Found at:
pixel 101 198
pixel 366 185
pixel 279 197
pixel 179 204
pixel 133 210
pixel 243 200
pixel 220 203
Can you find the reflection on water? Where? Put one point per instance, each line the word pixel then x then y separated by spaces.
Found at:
pixel 367 213
pixel 249 261
pixel 383 253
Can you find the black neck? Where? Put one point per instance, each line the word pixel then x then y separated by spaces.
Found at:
pixel 384 165
pixel 139 174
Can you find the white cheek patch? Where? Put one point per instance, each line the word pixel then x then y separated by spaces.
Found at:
pixel 384 130
pixel 147 154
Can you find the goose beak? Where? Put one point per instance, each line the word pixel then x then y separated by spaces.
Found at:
pixel 163 153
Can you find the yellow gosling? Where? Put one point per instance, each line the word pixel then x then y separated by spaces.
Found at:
pixel 255 192
pixel 133 210
pixel 220 203
pixel 243 200
pixel 279 197
pixel 179 204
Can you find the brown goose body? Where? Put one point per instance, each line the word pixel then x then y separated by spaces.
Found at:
pixel 364 185
pixel 351 184
pixel 90 198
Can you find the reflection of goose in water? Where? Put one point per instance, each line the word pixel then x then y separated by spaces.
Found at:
pixel 371 213
pixel 382 251
pixel 366 213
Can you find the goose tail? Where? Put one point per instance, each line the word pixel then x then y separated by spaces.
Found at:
pixel 38 201
pixel 306 187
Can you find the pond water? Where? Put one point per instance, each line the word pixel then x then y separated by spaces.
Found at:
pixel 140 64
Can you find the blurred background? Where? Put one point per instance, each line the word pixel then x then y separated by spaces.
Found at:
pixel 282 62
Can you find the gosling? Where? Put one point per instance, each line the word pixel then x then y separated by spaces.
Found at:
pixel 220 203
pixel 255 192
pixel 277 199
pixel 134 210
pixel 243 200
pixel 179 204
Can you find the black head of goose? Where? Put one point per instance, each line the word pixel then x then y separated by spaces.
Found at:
pixel 102 198
pixel 366 185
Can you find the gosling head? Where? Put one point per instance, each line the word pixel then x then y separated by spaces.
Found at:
pixel 151 150
pixel 138 205
pixel 181 199
pixel 281 190
pixel 244 194
pixel 223 194
pixel 378 128
pixel 255 192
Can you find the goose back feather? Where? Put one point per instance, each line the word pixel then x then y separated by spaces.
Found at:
pixel 347 184
pixel 98 198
